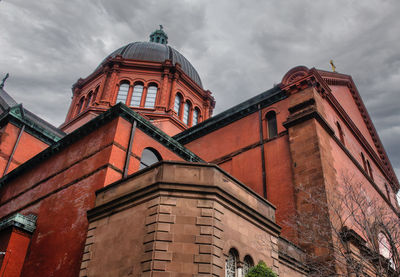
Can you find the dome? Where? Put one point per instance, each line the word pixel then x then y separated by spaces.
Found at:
pixel 156 52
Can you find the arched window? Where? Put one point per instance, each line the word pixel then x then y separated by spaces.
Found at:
pixel 149 156
pixel 231 263
pixel 123 92
pixel 89 99
pixel 364 162
pixel 247 264
pixel 137 95
pixel 341 135
pixel 177 103
pixel 151 96
pixel 370 170
pixel 186 111
pixel 271 121
pixel 196 115
pixel 80 105
pixel 384 247
pixel 95 94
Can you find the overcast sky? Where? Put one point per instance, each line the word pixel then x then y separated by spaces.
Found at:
pixel 239 48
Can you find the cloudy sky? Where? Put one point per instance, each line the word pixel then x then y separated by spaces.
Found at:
pixel 240 48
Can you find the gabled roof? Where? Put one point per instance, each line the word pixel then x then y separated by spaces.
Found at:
pixel 11 111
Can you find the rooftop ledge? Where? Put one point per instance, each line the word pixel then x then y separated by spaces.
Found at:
pixel 183 179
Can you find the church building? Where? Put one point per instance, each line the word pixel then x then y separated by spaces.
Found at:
pixel 142 180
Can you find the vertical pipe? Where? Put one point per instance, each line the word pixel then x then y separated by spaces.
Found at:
pixel 14 149
pixel 129 150
pixel 264 175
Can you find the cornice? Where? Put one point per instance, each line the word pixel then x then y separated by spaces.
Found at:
pixel 26 223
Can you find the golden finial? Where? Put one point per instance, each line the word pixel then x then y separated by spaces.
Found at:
pixel 333 66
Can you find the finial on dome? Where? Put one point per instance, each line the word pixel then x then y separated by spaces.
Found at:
pixel 159 36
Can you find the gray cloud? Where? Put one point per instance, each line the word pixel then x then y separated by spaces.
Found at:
pixel 240 48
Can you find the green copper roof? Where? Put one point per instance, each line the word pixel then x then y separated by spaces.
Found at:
pixel 159 36
pixel 27 223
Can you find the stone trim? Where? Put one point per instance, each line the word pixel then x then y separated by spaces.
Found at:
pixel 159 219
pixel 210 238
pixel 88 246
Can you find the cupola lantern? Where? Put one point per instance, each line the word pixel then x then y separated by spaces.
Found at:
pixel 159 36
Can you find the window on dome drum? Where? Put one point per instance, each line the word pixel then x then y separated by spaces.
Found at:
pixel 149 156
pixel 271 121
pixel 137 95
pixel 151 96
pixel 123 92
pixel 80 105
pixel 231 264
pixel 196 114
pixel 186 111
pixel 247 264
pixel 178 103
pixel 89 99
pixel 341 135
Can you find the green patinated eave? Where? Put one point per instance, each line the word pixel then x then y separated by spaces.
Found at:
pixel 17 115
pixel 233 114
pixel 119 110
pixel 27 223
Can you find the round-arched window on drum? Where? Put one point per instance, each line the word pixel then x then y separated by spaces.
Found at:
pixel 151 96
pixel 123 92
pixel 177 104
pixel 137 95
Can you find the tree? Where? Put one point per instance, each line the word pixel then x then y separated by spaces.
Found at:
pixel 261 270
pixel 346 231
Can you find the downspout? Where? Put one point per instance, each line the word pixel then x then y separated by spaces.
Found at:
pixel 14 149
pixel 264 174
pixel 129 150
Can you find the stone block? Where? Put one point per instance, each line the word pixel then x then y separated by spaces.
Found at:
pixel 206 230
pixel 204 203
pixel 170 201
pixel 204 239
pixel 205 249
pixel 208 221
pixel 166 218
pixel 207 212
pixel 162 256
pixel 205 268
